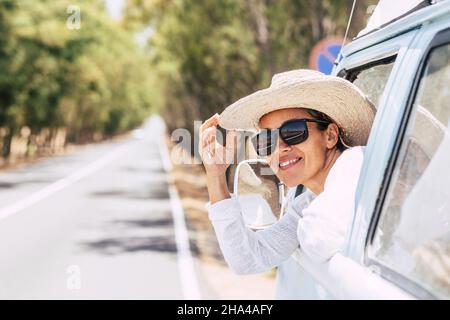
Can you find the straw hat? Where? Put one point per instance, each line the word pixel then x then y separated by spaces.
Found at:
pixel 334 96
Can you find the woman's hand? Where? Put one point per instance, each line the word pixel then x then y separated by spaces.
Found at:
pixel 216 158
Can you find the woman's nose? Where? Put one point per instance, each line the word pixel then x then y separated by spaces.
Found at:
pixel 283 146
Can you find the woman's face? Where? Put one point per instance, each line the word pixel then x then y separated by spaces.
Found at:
pixel 301 163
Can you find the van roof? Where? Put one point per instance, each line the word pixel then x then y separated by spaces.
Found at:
pixel 388 11
pixel 411 19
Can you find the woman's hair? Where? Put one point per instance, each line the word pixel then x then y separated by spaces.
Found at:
pixel 322 126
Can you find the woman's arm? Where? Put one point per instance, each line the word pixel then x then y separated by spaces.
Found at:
pixel 217 188
pixel 244 250
pixel 247 251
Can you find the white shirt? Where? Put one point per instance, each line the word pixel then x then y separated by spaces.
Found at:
pixel 316 224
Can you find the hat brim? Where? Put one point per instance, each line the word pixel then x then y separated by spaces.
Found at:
pixel 334 96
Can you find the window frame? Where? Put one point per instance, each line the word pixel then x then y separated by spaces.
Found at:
pixel 441 38
pixel 353 73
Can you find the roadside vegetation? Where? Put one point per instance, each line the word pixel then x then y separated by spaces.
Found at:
pixel 61 84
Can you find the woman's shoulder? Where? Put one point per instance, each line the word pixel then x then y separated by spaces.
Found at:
pixel 352 154
pixel 350 159
pixel 348 165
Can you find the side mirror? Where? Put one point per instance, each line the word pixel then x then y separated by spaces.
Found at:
pixel 260 194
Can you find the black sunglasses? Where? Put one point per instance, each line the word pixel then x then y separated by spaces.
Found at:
pixel 292 132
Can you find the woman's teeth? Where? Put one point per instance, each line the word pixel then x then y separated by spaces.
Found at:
pixel 288 163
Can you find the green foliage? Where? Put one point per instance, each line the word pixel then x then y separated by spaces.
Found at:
pixel 202 55
pixel 95 79
pixel 208 54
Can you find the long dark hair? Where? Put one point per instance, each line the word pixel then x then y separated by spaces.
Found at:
pixel 323 126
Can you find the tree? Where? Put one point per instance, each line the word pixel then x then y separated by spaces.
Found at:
pixel 211 53
pixel 95 80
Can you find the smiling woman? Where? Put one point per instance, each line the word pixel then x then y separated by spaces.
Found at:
pixel 300 157
pixel 311 129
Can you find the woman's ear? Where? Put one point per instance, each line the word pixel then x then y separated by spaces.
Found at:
pixel 332 135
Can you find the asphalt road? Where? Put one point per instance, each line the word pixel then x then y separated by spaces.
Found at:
pixel 94 224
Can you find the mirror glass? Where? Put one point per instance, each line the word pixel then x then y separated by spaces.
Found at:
pixel 260 194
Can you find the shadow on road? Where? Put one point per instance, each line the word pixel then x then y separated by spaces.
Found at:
pixel 113 246
pixel 163 242
pixel 154 192
pixel 15 184
pixel 146 170
pixel 7 185
pixel 143 223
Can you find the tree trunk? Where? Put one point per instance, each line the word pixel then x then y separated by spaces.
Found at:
pixel 258 12
pixel 317 16
pixel 7 142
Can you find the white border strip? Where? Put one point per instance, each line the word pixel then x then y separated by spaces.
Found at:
pixel 189 282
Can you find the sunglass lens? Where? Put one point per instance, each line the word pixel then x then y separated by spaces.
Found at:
pixel 264 143
pixel 294 132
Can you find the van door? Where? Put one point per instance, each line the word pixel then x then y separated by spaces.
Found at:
pixel 408 242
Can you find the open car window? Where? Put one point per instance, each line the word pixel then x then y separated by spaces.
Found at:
pixel 372 78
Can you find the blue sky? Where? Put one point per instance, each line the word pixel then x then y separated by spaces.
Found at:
pixel 115 7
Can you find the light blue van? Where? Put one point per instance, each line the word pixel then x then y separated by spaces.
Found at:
pixel 398 246
pixel 399 242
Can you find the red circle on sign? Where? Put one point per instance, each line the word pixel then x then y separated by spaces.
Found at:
pixel 321 49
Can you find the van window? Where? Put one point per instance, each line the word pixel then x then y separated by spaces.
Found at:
pixel 412 237
pixel 372 79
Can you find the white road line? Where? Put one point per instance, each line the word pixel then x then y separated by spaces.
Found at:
pixel 61 184
pixel 189 282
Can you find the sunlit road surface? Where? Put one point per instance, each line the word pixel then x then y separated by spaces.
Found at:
pixel 95 224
